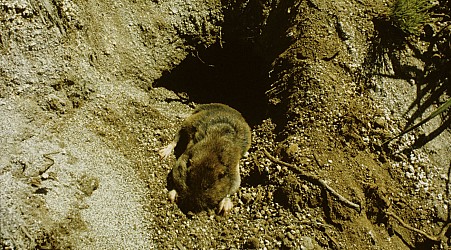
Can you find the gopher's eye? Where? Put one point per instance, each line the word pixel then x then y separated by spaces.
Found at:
pixel 221 175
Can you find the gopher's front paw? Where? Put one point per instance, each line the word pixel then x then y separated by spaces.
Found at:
pixel 172 195
pixel 225 206
pixel 166 151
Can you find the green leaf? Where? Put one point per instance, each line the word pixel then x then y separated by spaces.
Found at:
pixel 438 111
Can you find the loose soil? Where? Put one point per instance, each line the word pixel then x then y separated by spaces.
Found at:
pixel 89 92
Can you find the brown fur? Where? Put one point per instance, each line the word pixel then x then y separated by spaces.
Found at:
pixel 208 148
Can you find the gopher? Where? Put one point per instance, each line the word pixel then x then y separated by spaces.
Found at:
pixel 208 148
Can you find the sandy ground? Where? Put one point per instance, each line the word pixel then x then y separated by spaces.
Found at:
pixel 83 113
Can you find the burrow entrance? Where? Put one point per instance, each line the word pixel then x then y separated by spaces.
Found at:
pixel 231 73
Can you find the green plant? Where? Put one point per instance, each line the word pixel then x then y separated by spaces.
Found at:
pixel 438 111
pixel 410 15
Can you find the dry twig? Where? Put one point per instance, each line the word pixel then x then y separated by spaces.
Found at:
pixel 438 237
pixel 331 238
pixel 25 231
pixel 52 162
pixel 314 178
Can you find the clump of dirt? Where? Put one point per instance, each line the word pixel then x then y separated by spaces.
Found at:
pixel 92 91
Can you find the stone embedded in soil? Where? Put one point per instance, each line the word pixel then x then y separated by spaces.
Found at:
pixel 252 243
pixel 307 243
pixel 380 122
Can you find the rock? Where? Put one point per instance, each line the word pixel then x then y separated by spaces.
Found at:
pixel 246 198
pixel 290 236
pixel 88 184
pixel 252 243
pixel 307 243
pixel 380 122
pixel 292 149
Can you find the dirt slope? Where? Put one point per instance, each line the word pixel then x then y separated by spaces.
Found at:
pixel 84 108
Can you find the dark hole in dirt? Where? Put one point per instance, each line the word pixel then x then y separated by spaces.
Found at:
pixel 255 178
pixel 232 74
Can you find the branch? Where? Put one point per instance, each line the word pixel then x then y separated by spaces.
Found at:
pixel 314 179
pixel 430 237
pixel 438 237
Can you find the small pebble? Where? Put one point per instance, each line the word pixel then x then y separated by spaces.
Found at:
pixel 307 243
pixel 252 243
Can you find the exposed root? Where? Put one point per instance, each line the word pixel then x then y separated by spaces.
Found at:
pixel 438 237
pixel 314 179
pixel 25 231
pixel 335 243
